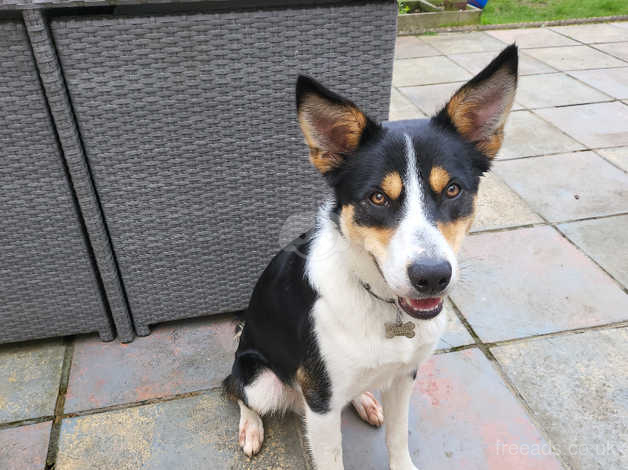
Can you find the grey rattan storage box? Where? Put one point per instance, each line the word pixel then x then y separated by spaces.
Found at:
pixel 189 128
pixel 48 286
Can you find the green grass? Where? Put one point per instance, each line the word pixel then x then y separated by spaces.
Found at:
pixel 519 11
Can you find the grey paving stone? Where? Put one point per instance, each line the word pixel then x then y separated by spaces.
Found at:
pixel 498 206
pixel 402 108
pixel 617 49
pixel 456 334
pixel 555 89
pixel 575 58
pixel 577 386
pixel 619 156
pixel 604 240
pixel 427 70
pixel 25 447
pixel 411 46
pixel 176 358
pixel 532 37
pixel 613 82
pixel 595 125
pixel 531 281
pixel 592 33
pixel 621 24
pixel 567 186
pixel 30 374
pixel 476 61
pixel 459 43
pixel 431 98
pixel 528 135
pixel 462 416
pixel 188 434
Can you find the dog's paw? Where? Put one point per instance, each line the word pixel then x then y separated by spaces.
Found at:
pixel 369 409
pixel 251 434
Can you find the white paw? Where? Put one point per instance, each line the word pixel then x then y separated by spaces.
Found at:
pixel 251 434
pixel 369 409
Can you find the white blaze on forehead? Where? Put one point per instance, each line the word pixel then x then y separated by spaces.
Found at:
pixel 415 237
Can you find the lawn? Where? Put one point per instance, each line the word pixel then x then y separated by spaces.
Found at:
pixel 518 11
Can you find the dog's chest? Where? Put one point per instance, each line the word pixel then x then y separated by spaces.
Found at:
pixel 356 351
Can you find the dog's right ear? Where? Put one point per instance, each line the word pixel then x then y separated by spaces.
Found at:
pixel 333 126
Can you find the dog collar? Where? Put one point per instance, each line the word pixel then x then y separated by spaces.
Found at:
pixel 396 328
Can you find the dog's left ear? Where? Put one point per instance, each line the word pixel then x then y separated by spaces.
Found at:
pixel 479 109
pixel 333 126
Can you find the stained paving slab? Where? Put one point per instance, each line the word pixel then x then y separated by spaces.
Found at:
pixel 24 447
pixel 462 416
pixel 30 374
pixel 532 281
pixel 187 434
pixel 577 386
pixel 176 358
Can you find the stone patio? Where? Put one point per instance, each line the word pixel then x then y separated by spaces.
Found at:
pixel 532 373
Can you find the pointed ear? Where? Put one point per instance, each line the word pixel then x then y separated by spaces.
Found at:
pixel 479 109
pixel 333 126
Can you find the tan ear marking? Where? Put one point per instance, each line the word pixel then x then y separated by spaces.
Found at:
pixel 392 185
pixel 438 179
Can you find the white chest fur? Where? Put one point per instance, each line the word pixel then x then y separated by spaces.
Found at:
pixel 350 322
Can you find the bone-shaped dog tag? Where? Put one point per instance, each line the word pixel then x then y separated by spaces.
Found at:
pixel 399 329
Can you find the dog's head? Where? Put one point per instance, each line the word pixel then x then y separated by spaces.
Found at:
pixel 406 191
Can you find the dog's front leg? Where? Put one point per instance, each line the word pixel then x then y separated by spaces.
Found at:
pixel 396 402
pixel 325 439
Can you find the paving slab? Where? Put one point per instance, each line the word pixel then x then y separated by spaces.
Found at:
pixel 532 37
pixel 475 63
pixel 402 108
pixel 595 125
pixel 575 58
pixel 25 447
pixel 431 98
pixel 592 33
pixel 532 281
pixel 567 186
pixel 462 416
pixel 618 156
pixel 187 434
pixel 460 43
pixel 427 70
pixel 555 89
pixel 617 49
pixel 621 24
pixel 498 206
pixel 30 374
pixel 577 386
pixel 604 240
pixel 410 46
pixel 528 135
pixel 613 82
pixel 176 358
pixel 456 334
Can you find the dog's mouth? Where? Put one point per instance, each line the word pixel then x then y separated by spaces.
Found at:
pixel 423 309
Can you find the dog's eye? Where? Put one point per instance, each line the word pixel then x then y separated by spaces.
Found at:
pixel 379 198
pixel 452 190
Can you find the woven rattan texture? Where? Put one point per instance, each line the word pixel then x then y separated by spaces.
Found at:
pixel 189 127
pixel 63 117
pixel 47 285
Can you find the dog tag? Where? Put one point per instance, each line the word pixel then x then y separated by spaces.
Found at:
pixel 399 329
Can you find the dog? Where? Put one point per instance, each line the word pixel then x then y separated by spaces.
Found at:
pixel 355 303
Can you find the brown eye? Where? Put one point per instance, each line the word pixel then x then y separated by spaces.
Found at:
pixel 378 198
pixel 452 190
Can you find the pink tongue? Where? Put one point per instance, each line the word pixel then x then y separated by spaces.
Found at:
pixel 424 304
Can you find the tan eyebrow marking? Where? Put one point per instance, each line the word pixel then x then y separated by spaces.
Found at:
pixel 392 185
pixel 439 179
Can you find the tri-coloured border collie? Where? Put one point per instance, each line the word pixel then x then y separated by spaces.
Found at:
pixel 354 304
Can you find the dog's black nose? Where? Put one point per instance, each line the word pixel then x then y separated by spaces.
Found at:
pixel 430 276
